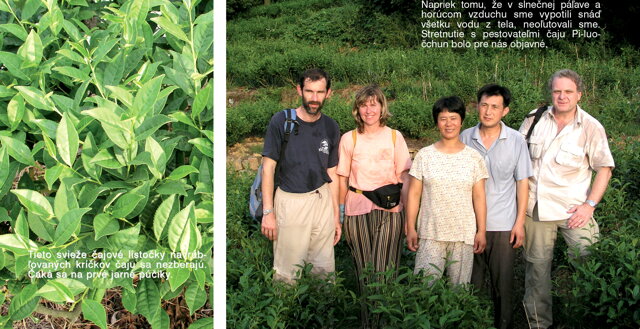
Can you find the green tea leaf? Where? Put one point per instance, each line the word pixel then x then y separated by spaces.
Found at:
pixel 147 96
pixel 170 27
pixel 177 276
pixel 29 8
pixel 148 298
pixel 24 303
pixel 69 223
pixel 44 229
pixel 35 97
pixel 15 111
pixel 106 160
pixel 18 150
pixel 17 244
pixel 13 63
pixel 21 227
pixel 94 312
pixel 183 118
pixel 52 174
pixel 122 95
pixel 104 225
pixel 202 100
pixel 72 55
pixel 14 29
pixel 160 320
pixel 195 298
pixel 125 204
pixel 4 164
pixel 203 145
pixel 61 290
pixel 126 239
pixel 129 301
pixel 180 234
pixel 182 171
pixel 116 129
pixel 34 202
pixel 31 49
pixel 202 324
pixel 64 200
pixel 161 217
pixel 67 140
pixel 72 72
pixel 150 125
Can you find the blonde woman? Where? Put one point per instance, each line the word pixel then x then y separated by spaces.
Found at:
pixel 374 162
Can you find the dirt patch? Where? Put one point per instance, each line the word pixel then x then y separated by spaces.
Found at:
pixel 241 94
pixel 246 155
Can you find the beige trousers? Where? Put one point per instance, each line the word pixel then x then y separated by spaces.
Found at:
pixel 306 230
pixel 540 238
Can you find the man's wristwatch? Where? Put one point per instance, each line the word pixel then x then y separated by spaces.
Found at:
pixel 266 212
pixel 591 203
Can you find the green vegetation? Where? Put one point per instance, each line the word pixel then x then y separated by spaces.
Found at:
pixel 106 132
pixel 268 46
pixel 255 301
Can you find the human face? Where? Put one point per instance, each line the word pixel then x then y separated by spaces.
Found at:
pixel 564 95
pixel 449 124
pixel 491 110
pixel 370 112
pixel 313 95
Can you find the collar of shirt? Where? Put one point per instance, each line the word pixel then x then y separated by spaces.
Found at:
pixel 476 133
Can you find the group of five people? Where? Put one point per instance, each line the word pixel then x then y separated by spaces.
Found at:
pixel 466 202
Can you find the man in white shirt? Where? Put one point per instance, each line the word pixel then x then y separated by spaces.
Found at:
pixel 566 146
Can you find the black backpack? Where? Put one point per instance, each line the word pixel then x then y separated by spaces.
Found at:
pixel 255 195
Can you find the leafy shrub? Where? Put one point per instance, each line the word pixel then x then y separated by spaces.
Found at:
pixel 106 122
pixel 605 287
pixel 255 301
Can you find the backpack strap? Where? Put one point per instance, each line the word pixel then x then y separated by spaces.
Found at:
pixel 536 117
pixel 290 125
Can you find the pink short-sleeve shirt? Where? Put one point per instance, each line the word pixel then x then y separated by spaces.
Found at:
pixel 374 162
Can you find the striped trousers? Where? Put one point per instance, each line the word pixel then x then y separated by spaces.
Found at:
pixel 376 239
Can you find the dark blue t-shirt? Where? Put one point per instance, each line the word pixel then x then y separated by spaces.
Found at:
pixel 308 154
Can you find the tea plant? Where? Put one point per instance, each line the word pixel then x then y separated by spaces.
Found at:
pixel 254 300
pixel 106 156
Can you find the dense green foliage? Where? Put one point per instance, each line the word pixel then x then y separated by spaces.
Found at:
pixel 269 45
pixel 255 301
pixel 106 132
pixel 267 51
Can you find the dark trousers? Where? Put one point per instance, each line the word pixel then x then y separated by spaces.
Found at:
pixel 376 239
pixel 498 258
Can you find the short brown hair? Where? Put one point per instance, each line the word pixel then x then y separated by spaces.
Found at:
pixel 362 96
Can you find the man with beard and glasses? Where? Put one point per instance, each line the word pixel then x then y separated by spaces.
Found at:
pixel 302 217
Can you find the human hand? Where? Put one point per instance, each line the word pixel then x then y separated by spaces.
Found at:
pixel 412 239
pixel 479 243
pixel 268 227
pixel 338 233
pixel 581 215
pixel 517 236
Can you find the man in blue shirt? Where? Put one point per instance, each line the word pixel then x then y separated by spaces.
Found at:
pixel 507 191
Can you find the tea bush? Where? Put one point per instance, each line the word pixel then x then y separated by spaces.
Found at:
pixel 255 301
pixel 605 290
pixel 106 134
pixel 376 50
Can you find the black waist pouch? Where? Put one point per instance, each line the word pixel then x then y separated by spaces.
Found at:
pixel 386 197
